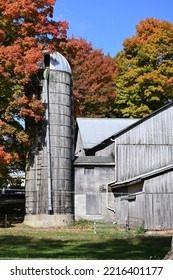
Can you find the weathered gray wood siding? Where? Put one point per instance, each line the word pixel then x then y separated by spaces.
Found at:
pixel 107 151
pixel 130 212
pixel 145 147
pixel 159 202
pixel 60 107
pixel 153 203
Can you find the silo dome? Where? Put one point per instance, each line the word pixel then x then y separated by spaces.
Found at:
pixel 59 63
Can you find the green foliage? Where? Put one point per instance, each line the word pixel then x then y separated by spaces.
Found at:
pixel 140 230
pixel 144 75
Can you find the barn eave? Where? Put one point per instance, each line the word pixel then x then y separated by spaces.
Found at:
pixel 141 177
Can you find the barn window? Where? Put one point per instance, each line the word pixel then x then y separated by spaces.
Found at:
pixel 47 60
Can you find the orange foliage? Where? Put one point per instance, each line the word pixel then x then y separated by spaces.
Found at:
pixel 144 73
pixel 93 73
pixel 26 29
pixel 6 158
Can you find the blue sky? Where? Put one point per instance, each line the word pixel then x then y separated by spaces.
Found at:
pixel 107 23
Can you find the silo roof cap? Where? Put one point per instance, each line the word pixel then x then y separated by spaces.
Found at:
pixel 59 63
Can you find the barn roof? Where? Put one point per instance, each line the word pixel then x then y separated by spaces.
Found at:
pixel 135 123
pixel 94 160
pixel 95 130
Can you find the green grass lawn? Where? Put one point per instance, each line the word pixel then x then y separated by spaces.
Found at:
pixel 79 242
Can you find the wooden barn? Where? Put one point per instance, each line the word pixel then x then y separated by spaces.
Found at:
pixel 94 167
pixel 143 185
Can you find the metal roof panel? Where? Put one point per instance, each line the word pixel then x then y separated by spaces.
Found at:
pixel 95 130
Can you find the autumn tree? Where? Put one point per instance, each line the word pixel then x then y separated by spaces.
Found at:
pixel 144 74
pixel 26 29
pixel 93 72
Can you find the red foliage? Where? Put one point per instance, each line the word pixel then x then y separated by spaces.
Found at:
pixel 6 158
pixel 26 29
pixel 93 73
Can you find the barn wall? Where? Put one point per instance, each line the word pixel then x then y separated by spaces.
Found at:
pixel 133 160
pixel 108 151
pixel 79 149
pixel 146 147
pixel 91 183
pixel 159 202
pixel 155 130
pixel 130 212
pixel 90 192
pixel 153 203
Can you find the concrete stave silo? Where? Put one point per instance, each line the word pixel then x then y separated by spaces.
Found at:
pixel 49 184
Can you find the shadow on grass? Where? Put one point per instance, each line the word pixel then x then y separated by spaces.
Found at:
pixel 134 248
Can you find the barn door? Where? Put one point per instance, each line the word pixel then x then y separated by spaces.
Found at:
pixel 136 212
